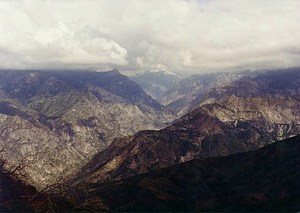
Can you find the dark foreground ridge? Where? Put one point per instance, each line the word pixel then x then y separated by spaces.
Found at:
pixel 262 180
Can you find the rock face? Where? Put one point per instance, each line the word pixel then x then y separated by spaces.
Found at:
pixel 219 127
pixel 262 180
pixel 52 123
pixel 156 82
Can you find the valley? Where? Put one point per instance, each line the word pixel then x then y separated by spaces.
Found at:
pixel 149 106
pixel 72 130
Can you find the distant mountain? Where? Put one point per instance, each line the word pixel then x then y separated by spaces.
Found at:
pixel 156 82
pixel 25 84
pixel 263 180
pixel 278 82
pixel 178 98
pixel 53 122
pixel 219 127
pixel 192 91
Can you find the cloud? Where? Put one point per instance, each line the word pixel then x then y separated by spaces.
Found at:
pixel 135 35
pixel 53 43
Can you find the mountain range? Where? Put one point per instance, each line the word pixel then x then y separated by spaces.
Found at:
pixel 218 127
pixel 89 141
pixel 189 92
pixel 52 123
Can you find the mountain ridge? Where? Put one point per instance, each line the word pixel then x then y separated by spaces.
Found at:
pixel 259 180
pixel 221 127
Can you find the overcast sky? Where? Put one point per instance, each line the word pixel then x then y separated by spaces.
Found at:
pixel 137 35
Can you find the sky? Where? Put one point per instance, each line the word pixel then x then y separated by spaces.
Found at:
pixel 182 36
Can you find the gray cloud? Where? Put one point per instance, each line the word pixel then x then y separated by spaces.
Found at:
pixel 134 35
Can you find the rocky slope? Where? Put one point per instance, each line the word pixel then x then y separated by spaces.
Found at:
pixel 263 180
pixel 219 127
pixel 52 123
pixel 156 82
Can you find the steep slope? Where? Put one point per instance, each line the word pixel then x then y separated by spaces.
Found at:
pixel 156 82
pixel 35 153
pixel 211 130
pixel 52 123
pixel 262 180
pixel 220 127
